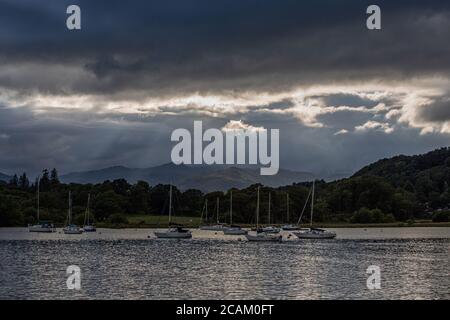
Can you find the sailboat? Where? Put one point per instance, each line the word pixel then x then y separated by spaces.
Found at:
pixel 270 229
pixel 233 230
pixel 71 228
pixel 88 227
pixel 41 226
pixel 313 233
pixel 288 227
pixel 214 227
pixel 260 235
pixel 175 231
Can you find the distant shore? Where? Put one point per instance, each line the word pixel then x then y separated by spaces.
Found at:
pixel 318 225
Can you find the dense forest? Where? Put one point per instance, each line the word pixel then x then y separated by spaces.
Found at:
pixel 398 189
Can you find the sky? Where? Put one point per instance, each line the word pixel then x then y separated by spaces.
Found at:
pixel 111 93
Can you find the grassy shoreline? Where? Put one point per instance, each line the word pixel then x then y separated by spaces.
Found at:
pixel 195 222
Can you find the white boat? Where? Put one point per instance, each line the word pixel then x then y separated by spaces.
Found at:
pixel 88 227
pixel 288 227
pixel 212 227
pixel 174 231
pixel 71 228
pixel 233 230
pixel 41 226
pixel 313 233
pixel 259 235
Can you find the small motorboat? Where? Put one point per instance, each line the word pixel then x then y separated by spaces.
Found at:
pixel 270 229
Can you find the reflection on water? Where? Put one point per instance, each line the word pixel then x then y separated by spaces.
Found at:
pixel 131 264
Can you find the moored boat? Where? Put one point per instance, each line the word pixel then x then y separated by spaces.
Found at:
pixel 313 233
pixel 71 228
pixel 41 226
pixel 259 234
pixel 175 231
pixel 233 230
pixel 88 227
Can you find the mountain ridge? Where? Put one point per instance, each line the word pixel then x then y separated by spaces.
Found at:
pixel 205 178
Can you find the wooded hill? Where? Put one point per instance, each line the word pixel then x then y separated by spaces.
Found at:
pixel 396 189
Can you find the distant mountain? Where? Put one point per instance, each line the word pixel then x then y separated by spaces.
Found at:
pixel 205 178
pixel 401 170
pixel 4 177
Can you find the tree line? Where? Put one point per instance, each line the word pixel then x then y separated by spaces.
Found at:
pixel 359 199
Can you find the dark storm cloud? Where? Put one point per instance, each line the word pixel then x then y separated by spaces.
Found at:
pixel 177 46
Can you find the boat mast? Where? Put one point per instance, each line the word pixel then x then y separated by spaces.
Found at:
pixel 87 209
pixel 217 213
pixel 312 202
pixel 206 210
pixel 70 208
pixel 257 211
pixel 231 207
pixel 287 200
pixel 38 191
pixel 269 206
pixel 170 204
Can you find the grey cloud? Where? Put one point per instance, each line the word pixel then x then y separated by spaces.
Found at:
pixel 179 47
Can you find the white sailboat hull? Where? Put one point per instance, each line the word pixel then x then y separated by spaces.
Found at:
pixel 264 237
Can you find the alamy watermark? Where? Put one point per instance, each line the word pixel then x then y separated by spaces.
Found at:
pixel 222 145
pixel 374 280
pixel 74 280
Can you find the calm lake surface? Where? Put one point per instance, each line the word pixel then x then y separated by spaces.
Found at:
pixel 132 264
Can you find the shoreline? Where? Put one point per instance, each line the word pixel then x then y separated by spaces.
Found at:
pixel 247 226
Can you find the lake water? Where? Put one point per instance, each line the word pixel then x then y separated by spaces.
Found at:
pixel 132 264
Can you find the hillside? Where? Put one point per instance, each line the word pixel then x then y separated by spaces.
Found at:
pixel 402 188
pixel 404 171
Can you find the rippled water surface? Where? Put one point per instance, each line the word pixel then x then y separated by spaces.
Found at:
pixel 132 264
